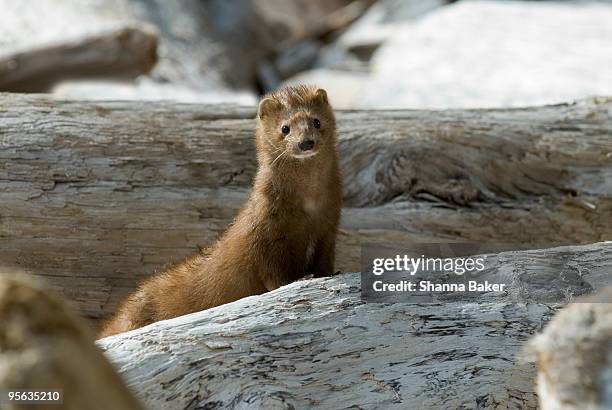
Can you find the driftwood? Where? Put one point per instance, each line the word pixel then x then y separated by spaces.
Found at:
pixel 97 195
pixel 574 356
pixel 124 52
pixel 45 346
pixel 317 344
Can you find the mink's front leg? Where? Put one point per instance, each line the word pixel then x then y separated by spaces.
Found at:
pixel 323 258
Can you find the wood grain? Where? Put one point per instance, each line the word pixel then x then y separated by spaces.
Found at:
pixel 95 196
pixel 316 344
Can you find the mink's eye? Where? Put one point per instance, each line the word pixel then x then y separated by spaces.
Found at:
pixel 316 123
pixel 285 129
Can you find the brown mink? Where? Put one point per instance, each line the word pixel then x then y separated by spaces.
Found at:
pixel 286 229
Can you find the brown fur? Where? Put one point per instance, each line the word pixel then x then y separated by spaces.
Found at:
pixel 285 231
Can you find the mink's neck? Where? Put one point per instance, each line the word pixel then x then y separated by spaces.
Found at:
pixel 292 182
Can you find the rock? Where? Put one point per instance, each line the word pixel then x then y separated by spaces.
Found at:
pixel 381 21
pixel 299 53
pixel 574 356
pixel 298 57
pixel 335 57
pixel 495 54
pixel 206 44
pixel 44 345
pixel 298 19
pixel 218 44
pixel 342 66
pixel 344 88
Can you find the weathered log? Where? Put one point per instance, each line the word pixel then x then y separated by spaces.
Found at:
pixel 96 195
pixel 317 344
pixel 121 53
pixel 45 346
pixel 574 356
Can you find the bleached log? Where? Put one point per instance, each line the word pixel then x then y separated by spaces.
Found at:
pixel 97 195
pixel 44 346
pixel 316 344
pixel 120 53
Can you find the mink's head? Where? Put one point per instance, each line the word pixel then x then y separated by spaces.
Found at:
pixel 295 124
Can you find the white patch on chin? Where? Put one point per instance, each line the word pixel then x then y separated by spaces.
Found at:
pixel 308 155
pixel 310 206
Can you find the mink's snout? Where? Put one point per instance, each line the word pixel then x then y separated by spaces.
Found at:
pixel 306 145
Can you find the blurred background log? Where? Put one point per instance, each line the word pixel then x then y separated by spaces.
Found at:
pixel 122 53
pixel 45 346
pixel 98 195
pixel 209 51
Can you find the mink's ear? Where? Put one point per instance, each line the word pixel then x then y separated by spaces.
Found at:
pixel 268 106
pixel 321 96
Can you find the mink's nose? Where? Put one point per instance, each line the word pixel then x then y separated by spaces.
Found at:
pixel 306 145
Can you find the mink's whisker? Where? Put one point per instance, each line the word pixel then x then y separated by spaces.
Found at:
pixel 279 156
pixel 271 143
